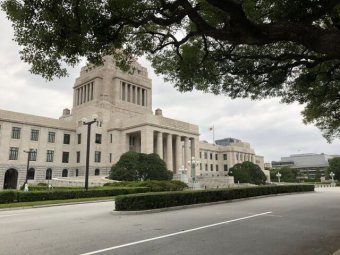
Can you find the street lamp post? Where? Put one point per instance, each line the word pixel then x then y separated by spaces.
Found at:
pixel 278 175
pixel 331 174
pixel 88 123
pixel 28 162
pixel 192 162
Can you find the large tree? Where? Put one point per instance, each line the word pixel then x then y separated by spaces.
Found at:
pixel 134 166
pixel 248 172
pixel 240 48
pixel 334 166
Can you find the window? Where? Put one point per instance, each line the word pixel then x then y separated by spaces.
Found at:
pixel 77 172
pixel 225 157
pixel 79 138
pixel 206 167
pixel 32 155
pixel 65 157
pixel 13 153
pixel 48 174
pixel 216 168
pixel 200 166
pixel 34 134
pixel 67 138
pixel 225 167
pixel 200 154
pixel 30 174
pixel 78 156
pixel 205 155
pixel 49 156
pixel 98 138
pixel 132 141
pixel 97 155
pixel 64 173
pixel 16 132
pixel 211 167
pixel 211 156
pixel 110 157
pixel 110 138
pixel 216 156
pixel 97 172
pixel 51 137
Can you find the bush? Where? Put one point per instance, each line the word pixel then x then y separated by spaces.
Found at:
pixel 168 199
pixel 31 196
pixel 133 166
pixel 152 185
pixel 8 196
pixel 248 172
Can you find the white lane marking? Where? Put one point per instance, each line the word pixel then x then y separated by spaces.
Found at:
pixel 174 234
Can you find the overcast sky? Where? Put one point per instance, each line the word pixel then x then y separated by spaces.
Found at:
pixel 272 129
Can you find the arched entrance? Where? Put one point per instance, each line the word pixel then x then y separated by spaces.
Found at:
pixel 11 179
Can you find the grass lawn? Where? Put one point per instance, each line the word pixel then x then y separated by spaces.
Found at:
pixel 52 202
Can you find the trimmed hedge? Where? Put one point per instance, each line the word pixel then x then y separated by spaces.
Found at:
pixel 148 201
pixel 20 196
pixel 154 186
pixel 8 196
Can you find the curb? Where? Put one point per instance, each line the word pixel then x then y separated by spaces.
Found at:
pixel 174 208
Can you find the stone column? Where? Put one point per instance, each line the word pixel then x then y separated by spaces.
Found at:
pixel 169 152
pixel 126 92
pixel 193 147
pixel 160 144
pixel 147 141
pixel 178 153
pixel 187 153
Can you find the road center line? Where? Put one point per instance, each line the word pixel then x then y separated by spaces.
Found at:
pixel 174 234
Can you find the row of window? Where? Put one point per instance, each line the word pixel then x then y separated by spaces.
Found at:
pixel 225 167
pixel 32 155
pixel 225 157
pixel 16 131
pixel 48 174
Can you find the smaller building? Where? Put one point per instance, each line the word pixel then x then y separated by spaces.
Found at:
pixel 309 165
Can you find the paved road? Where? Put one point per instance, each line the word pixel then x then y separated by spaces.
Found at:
pixel 306 223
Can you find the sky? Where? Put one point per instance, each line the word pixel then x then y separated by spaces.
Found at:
pixel 273 130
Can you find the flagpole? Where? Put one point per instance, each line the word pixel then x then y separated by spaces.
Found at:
pixel 213 134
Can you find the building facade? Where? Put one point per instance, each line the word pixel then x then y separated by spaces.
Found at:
pixel 125 122
pixel 309 165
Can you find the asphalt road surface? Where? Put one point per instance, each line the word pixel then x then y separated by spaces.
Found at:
pixel 307 223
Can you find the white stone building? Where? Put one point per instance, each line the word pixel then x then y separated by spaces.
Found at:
pixel 123 103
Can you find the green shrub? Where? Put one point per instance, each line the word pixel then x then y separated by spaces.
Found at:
pixel 168 199
pixel 20 196
pixel 154 186
pixel 9 196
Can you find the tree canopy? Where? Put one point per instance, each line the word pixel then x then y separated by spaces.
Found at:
pixel 248 172
pixel 133 166
pixel 240 48
pixel 334 166
pixel 287 174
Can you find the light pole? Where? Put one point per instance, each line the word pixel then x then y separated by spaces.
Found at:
pixel 278 175
pixel 88 123
pixel 331 174
pixel 192 162
pixel 28 163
